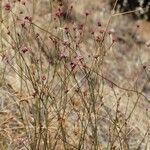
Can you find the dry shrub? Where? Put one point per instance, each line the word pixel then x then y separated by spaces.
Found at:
pixel 66 83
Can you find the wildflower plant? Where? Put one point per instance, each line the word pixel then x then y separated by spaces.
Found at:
pixel 60 93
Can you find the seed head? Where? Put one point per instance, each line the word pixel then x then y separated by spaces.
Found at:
pixel 87 13
pixel 71 7
pixel 99 24
pixel 24 49
pixel 43 77
pixel 66 28
pixel 144 67
pixel 7 7
pixel 28 18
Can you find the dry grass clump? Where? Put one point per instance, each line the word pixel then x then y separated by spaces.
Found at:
pixel 65 82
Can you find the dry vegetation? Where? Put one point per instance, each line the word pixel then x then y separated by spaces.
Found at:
pixel 73 75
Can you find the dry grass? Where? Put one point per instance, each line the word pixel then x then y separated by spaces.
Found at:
pixel 72 76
